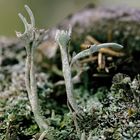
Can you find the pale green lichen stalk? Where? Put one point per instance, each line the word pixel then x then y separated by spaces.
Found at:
pixel 32 38
pixel 63 38
pixel 93 49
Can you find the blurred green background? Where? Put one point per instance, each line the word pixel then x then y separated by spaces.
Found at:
pixel 47 12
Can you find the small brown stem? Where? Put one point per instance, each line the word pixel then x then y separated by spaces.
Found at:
pixel 42 135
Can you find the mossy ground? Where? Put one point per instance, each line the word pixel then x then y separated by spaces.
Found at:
pixel 111 109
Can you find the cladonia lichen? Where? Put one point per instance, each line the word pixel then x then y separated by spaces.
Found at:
pixel 32 38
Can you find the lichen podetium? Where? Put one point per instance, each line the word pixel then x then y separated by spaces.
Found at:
pixel 32 38
pixel 62 38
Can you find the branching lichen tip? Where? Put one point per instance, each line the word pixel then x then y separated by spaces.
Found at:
pixel 62 37
pixel 23 19
pixel 29 11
